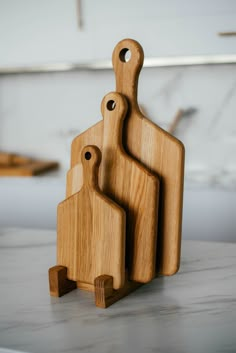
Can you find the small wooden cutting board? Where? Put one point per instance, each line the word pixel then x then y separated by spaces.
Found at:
pixel 91 229
pixel 128 183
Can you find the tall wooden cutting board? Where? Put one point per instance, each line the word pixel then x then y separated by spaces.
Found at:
pixel 91 229
pixel 157 150
pixel 154 148
pixel 128 183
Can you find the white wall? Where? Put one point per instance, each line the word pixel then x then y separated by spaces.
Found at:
pixel 33 31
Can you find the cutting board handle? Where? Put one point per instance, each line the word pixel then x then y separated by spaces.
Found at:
pixel 91 159
pixel 127 69
pixel 114 108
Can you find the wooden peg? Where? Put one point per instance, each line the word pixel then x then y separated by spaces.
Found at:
pixel 105 295
pixel 58 281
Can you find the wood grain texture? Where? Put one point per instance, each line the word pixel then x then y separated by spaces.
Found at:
pixel 105 295
pixel 11 159
pixel 91 229
pixel 128 183
pixel 27 169
pixel 85 286
pixel 6 159
pixel 153 147
pixel 156 149
pixel 58 282
pixel 74 179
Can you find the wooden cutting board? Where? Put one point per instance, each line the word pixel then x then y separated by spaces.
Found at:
pixel 28 169
pixel 17 165
pixel 154 148
pixel 91 229
pixel 10 159
pixel 128 183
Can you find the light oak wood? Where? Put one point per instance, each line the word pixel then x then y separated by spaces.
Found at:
pixel 128 183
pixel 17 165
pixel 156 149
pixel 59 284
pixel 152 146
pixel 6 159
pixel 31 169
pixel 11 159
pixel 85 286
pixel 105 295
pixel 74 177
pixel 91 229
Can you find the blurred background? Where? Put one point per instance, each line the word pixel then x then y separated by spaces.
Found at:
pixel 55 68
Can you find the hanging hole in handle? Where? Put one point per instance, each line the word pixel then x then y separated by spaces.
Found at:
pixel 87 156
pixel 111 105
pixel 125 55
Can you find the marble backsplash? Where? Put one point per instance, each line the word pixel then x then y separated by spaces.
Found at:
pixel 40 114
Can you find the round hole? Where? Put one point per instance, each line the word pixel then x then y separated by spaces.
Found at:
pixel 111 105
pixel 125 55
pixel 87 156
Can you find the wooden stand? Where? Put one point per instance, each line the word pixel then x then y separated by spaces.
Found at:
pixel 104 293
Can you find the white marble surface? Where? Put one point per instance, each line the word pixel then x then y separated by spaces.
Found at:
pixel 194 311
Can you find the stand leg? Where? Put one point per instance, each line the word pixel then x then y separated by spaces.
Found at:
pixel 105 295
pixel 58 282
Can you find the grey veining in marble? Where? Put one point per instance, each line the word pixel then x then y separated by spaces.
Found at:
pixel 192 312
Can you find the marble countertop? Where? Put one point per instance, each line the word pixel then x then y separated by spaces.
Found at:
pixel 193 311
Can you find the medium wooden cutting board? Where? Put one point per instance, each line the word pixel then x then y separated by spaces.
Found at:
pixel 91 229
pixel 128 183
pixel 153 147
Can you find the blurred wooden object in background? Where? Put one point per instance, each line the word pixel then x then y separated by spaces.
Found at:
pixel 16 165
